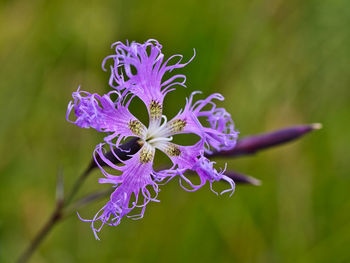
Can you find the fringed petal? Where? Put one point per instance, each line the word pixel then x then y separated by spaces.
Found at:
pixel 206 171
pixel 132 188
pixel 139 68
pixel 182 157
pixel 218 133
pixel 105 115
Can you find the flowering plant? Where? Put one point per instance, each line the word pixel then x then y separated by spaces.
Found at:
pixel 138 71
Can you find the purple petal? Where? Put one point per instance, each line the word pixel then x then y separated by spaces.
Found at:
pixel 139 68
pixel 104 115
pixel 183 157
pixel 207 172
pixel 133 189
pixel 218 134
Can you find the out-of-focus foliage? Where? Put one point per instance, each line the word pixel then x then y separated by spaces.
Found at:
pixel 277 62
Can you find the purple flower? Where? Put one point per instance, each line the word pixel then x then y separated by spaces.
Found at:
pixel 138 70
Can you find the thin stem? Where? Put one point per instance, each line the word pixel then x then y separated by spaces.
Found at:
pixel 61 203
pixel 86 200
pixel 56 216
pixel 44 231
pixel 78 183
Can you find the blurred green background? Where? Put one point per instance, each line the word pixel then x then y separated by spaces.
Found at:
pixel 278 63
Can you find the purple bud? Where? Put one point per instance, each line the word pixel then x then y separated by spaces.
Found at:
pixel 253 144
pixel 124 153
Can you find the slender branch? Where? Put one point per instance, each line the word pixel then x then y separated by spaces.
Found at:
pixel 44 231
pixel 61 203
pixel 77 184
pixel 53 219
pixel 86 200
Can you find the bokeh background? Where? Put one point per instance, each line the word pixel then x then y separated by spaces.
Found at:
pixel 278 63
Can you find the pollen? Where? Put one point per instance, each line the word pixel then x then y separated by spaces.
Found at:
pixel 146 155
pixel 136 127
pixel 173 150
pixel 177 125
pixel 155 109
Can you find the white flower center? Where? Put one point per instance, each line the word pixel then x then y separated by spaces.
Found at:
pixel 157 133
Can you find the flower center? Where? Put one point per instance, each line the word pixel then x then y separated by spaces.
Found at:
pixel 157 133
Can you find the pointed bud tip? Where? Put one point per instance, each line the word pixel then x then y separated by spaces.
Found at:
pixel 316 126
pixel 254 181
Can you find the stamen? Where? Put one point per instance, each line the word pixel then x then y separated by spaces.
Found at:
pixel 166 139
pixel 157 131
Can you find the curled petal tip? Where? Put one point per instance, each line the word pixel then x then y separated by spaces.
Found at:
pixel 317 126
